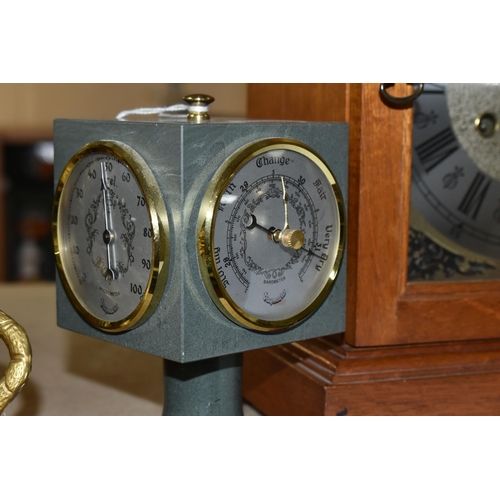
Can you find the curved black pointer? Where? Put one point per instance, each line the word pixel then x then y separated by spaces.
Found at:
pixel 271 232
pixel 262 228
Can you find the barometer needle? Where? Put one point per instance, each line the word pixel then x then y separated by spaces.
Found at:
pixel 272 232
pixel 310 252
pixel 262 228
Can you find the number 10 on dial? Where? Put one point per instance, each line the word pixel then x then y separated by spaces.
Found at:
pixel 110 232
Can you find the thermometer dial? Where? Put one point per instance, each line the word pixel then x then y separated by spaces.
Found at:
pixel 272 234
pixel 110 233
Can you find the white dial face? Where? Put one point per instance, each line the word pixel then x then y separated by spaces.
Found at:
pixel 106 239
pixel 277 237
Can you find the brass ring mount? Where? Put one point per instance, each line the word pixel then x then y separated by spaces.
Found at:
pixel 19 368
pixel 400 102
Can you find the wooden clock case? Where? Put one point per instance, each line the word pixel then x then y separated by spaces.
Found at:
pixel 409 348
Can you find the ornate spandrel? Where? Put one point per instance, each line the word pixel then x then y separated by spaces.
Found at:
pixel 427 260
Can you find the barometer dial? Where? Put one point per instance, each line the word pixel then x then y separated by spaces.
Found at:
pixel 272 234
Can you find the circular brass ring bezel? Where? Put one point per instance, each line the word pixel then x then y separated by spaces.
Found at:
pixel 159 241
pixel 206 227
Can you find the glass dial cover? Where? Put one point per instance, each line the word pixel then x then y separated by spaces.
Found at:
pixel 110 233
pixel 272 233
pixel 455 191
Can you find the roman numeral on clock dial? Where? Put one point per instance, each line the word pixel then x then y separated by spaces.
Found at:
pixel 436 149
pixel 474 197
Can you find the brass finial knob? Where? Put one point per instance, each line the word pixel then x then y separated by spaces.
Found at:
pixel 198 107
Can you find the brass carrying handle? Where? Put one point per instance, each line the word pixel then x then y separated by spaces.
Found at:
pixel 19 367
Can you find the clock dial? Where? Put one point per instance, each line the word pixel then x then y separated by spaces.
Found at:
pixel 455 193
pixel 272 234
pixel 110 236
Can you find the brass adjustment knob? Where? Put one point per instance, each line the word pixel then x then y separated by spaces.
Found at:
pixel 292 238
pixel 198 107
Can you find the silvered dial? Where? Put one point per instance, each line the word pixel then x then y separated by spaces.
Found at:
pixel 456 175
pixel 276 234
pixel 110 236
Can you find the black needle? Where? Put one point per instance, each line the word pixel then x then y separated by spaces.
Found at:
pixel 311 253
pixel 271 232
pixel 253 224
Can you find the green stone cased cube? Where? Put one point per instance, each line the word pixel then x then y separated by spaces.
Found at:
pixel 187 325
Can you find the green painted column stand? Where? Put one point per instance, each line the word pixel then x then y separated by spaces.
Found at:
pixel 208 387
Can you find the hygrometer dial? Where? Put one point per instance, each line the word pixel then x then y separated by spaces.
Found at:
pixel 110 232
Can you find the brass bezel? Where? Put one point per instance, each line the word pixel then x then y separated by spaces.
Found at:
pixel 160 240
pixel 224 175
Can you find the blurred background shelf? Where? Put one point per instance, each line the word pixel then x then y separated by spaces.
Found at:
pixel 26 167
pixel 26 154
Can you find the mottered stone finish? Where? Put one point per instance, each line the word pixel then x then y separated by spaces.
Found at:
pixel 187 325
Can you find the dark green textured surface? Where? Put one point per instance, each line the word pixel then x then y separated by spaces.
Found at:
pixel 208 387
